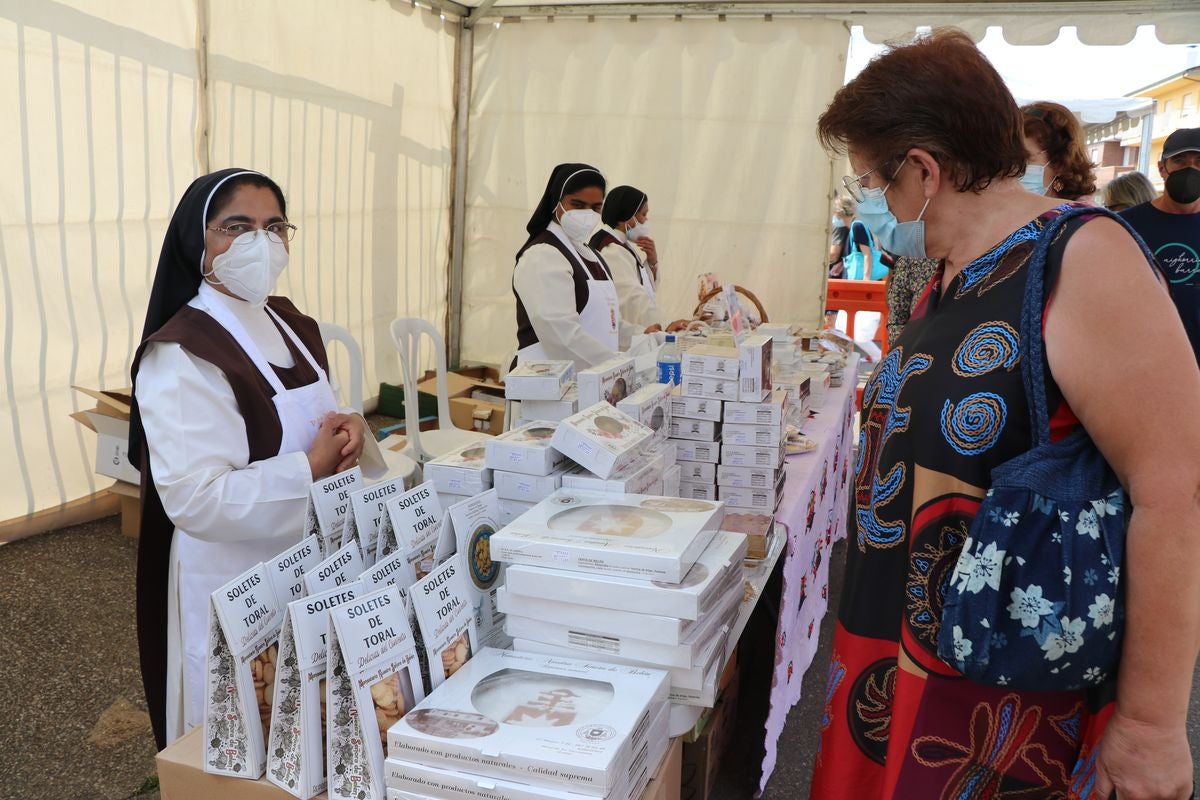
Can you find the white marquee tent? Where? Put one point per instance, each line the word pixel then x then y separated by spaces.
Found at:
pixel 412 141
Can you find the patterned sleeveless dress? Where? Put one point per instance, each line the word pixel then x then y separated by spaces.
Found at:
pixel 942 409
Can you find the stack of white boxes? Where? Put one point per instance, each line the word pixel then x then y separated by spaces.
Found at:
pixel 545 389
pixel 460 474
pixel 525 468
pixel 525 726
pixel 625 579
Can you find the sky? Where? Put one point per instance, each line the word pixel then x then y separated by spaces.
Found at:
pixel 1066 69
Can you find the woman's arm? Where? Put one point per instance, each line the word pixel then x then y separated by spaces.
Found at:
pixel 1118 351
pixel 200 457
pixel 544 282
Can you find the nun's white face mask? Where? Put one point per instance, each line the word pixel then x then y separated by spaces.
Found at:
pixel 251 266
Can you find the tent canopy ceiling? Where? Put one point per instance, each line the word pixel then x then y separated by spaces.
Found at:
pixel 1025 22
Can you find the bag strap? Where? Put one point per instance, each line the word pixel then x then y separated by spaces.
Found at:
pixel 1033 357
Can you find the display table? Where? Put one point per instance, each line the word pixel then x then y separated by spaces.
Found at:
pixel 180 776
pixel 812 514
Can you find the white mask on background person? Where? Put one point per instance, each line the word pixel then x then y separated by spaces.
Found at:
pixel 578 224
pixel 251 266
pixel 638 230
pixel 1034 179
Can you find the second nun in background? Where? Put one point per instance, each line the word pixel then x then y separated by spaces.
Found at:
pixel 625 244
pixel 567 302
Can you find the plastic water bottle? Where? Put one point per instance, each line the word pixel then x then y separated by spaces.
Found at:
pixel 670 362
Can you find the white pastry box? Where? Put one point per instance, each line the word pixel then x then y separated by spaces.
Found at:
pixel 771 411
pixel 511 509
pixel 609 382
pixel 819 382
pixel 635 536
pixel 528 488
pixel 699 430
pixel 708 388
pixel 636 478
pixel 664 450
pixel 757 499
pixel 708 361
pixel 691 598
pixel 738 455
pixel 754 378
pixel 695 407
pixel 579 637
pixel 525 450
pixel 708 452
pixel 651 406
pixel 753 435
pixel 747 477
pixel 697 491
pixel 539 380
pixel 601 438
pixel 462 471
pixel 598 619
pixel 670 480
pixel 536 719
pixel 552 410
pixel 697 472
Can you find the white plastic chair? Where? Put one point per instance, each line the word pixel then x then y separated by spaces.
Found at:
pixel 336 333
pixel 426 445
pixel 398 464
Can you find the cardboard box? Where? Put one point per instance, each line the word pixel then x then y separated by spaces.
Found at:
pixel 477 415
pixel 772 411
pixel 684 655
pixel 698 472
pixel 708 452
pixel 609 382
pixel 553 410
pixel 666 781
pixel 702 758
pixel 476 398
pixel 601 438
pixel 528 488
pixel 753 436
pixel 461 471
pixel 738 455
pixel 485 720
pixel 754 379
pixel 539 380
pixel 747 477
pixel 131 507
pixel 698 430
pixel 635 536
pixel 109 418
pixel 651 406
pixel 525 450
pixel 707 361
pixel 709 388
pixel 694 407
pixel 691 598
pixel 670 480
pixel 697 491
pixel 181 777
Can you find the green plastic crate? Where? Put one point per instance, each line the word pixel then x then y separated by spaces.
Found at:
pixel 391 402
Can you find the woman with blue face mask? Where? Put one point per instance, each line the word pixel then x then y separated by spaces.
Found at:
pixel 567 303
pixel 935 142
pixel 1058 163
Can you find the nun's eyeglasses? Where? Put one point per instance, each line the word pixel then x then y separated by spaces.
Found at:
pixel 279 231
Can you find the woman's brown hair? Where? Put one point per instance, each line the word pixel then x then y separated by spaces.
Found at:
pixel 1060 136
pixel 938 93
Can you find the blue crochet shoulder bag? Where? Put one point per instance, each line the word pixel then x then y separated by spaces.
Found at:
pixel 1035 601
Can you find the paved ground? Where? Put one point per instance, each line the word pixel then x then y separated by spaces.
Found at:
pixel 72 720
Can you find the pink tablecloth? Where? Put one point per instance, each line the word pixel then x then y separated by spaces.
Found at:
pixel 813 511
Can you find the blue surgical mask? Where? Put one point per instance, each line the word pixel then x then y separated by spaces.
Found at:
pixel 1034 178
pixel 897 238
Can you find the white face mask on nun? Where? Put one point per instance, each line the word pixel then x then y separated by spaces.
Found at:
pixel 251 266
pixel 578 223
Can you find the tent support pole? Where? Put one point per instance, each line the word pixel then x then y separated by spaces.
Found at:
pixel 458 221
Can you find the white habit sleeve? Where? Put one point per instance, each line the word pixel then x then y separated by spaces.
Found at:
pixel 544 282
pixel 636 307
pixel 200 457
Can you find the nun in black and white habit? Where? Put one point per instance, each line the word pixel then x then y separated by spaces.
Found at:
pixel 233 419
pixel 567 303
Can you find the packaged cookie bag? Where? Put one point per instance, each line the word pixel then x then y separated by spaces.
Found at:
pixel 328 506
pixel 412 525
pixel 442 601
pixel 296 747
pixel 475 521
pixel 396 570
pixel 342 566
pixel 368 507
pixel 374 680
pixel 287 569
pixel 243 644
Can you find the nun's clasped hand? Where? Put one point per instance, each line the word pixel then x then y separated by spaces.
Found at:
pixel 336 446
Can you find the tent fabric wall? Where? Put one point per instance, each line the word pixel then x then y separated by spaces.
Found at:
pixel 106 129
pixel 714 120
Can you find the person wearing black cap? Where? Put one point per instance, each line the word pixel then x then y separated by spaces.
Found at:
pixel 567 302
pixel 1170 225
pixel 233 419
